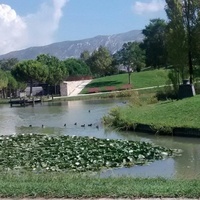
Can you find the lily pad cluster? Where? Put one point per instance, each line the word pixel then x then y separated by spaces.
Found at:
pixel 66 153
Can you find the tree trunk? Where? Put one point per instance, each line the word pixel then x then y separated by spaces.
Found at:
pixel 129 75
pixel 55 88
pixel 190 67
pixel 31 88
pixel 189 35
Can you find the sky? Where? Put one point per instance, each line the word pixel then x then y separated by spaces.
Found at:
pixel 28 23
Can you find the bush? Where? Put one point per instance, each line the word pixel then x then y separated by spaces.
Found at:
pixel 93 90
pixel 197 87
pixel 166 93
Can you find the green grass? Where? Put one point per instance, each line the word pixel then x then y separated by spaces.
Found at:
pixel 138 80
pixel 59 185
pixel 181 113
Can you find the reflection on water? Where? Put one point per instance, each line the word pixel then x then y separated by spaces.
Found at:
pixel 54 115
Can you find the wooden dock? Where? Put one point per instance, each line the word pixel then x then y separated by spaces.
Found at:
pixel 24 102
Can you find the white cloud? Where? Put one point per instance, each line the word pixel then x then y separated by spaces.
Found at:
pixel 12 29
pixel 36 29
pixel 152 6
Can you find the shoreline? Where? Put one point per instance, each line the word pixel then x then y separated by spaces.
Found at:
pixel 174 131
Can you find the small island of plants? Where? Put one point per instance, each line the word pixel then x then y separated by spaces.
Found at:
pixel 34 152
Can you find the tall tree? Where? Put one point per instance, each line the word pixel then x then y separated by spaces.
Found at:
pixel 7 64
pixel 100 62
pixel 3 82
pixel 57 71
pixel 131 56
pixel 12 83
pixel 184 32
pixel 77 67
pixel 85 55
pixel 154 43
pixel 30 71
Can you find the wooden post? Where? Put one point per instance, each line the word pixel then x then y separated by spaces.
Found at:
pixel 33 101
pixel 10 102
pixel 41 99
pixel 24 102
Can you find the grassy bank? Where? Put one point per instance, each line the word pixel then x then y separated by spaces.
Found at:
pixel 138 80
pixel 60 185
pixel 181 113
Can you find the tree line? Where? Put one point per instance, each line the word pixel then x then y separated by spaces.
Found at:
pixel 174 43
pixel 50 70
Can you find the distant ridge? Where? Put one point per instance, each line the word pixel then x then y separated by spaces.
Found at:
pixel 67 49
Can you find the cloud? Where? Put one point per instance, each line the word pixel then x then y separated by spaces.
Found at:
pixel 12 29
pixel 153 6
pixel 36 29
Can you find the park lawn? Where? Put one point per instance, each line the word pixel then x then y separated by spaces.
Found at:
pixel 181 113
pixel 65 185
pixel 138 80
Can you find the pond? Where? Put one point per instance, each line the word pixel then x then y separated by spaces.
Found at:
pixel 73 118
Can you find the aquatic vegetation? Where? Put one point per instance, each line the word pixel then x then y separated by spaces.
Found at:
pixel 73 153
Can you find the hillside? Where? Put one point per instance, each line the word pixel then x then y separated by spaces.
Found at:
pixel 67 49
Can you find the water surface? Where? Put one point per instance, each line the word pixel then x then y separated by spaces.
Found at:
pixel 54 115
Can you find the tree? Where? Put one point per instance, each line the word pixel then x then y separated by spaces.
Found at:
pixel 176 40
pixel 85 55
pixel 100 62
pixel 154 43
pixel 3 82
pixel 7 64
pixel 30 71
pixel 12 83
pixel 77 67
pixel 132 56
pixel 184 20
pixel 57 72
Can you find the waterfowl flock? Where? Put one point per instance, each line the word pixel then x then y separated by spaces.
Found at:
pixel 76 124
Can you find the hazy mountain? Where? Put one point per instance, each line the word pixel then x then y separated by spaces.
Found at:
pixel 66 49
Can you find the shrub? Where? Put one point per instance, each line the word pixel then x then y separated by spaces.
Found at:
pixel 110 88
pixel 166 93
pixel 126 86
pixel 197 87
pixel 93 90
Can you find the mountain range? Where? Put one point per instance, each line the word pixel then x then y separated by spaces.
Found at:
pixel 68 49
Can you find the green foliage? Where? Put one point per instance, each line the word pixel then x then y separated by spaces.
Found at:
pixel 77 67
pixel 154 43
pixel 138 80
pixel 183 35
pixel 131 55
pixel 57 72
pixel 100 62
pixel 3 80
pixel 83 186
pixel 30 71
pixel 8 64
pixel 72 153
pixel 174 77
pixel 167 93
pixel 85 56
pixel 182 113
pixel 12 83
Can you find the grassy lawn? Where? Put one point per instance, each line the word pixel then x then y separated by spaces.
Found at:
pixel 138 80
pixel 181 113
pixel 59 185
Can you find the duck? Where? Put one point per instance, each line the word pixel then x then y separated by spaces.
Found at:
pixel 30 125
pixel 97 126
pixel 43 126
pixel 75 123
pixel 83 125
pixel 64 125
pixel 89 124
